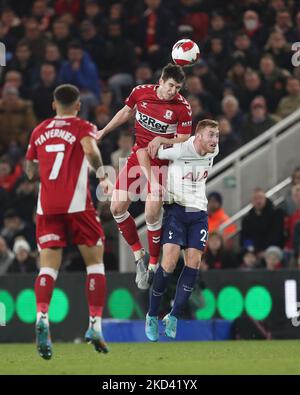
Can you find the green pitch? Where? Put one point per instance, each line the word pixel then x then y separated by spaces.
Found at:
pixel 230 357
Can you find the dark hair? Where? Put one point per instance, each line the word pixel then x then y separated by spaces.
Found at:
pixel 66 94
pixel 173 71
pixel 75 45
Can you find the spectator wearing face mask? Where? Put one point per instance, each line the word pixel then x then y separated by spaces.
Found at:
pixel 254 28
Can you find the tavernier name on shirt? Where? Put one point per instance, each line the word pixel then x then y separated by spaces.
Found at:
pixel 55 133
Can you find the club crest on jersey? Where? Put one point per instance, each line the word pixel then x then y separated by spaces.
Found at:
pixel 144 104
pixel 168 114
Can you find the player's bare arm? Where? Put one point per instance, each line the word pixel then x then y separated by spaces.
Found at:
pixel 32 170
pixel 93 155
pixel 121 117
pixel 154 145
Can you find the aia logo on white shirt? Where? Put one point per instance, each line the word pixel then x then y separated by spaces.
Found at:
pixel 168 114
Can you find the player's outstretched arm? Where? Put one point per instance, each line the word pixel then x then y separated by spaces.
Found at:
pixel 121 117
pixel 32 170
pixel 154 145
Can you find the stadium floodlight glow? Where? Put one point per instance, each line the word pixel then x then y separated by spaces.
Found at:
pixel 208 310
pixel 230 303
pixel 59 306
pixel 258 302
pixel 121 304
pixel 25 306
pixel 8 301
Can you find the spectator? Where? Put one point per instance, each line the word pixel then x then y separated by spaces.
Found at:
pixel 253 88
pixel 271 76
pixel 231 110
pixel 23 262
pixel 243 47
pixel 289 206
pixel 71 7
pixel 81 71
pixel 284 25
pixel 216 256
pixel 9 173
pixel 228 140
pixel 121 62
pixel 273 258
pixel 35 38
pixel 257 121
pixel 208 78
pixel 6 257
pixel 14 78
pixel 154 37
pixel 218 59
pixel 219 27
pixel 24 198
pixel 94 44
pixel 254 28
pixel 94 11
pixel 10 29
pixel 17 119
pixel 61 36
pixel 280 49
pixel 290 103
pixel 143 74
pixel 14 227
pixel 42 94
pixel 198 112
pixel 42 14
pixel 249 260
pixel 296 243
pixel 195 87
pixel 53 56
pixel 263 225
pixel 217 215
pixel 125 144
pixel 24 63
pixel 290 222
pixel 236 73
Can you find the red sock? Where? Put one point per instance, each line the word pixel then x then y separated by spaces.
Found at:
pixel 127 228
pixel 154 244
pixel 43 288
pixel 95 292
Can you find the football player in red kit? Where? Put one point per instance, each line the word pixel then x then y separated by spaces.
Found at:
pixel 59 153
pixel 161 113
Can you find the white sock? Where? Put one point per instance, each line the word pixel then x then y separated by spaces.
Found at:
pixel 44 317
pixel 96 323
pixel 139 254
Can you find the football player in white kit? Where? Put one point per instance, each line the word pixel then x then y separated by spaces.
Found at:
pixel 185 220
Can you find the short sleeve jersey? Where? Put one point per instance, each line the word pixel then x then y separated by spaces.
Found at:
pixel 157 117
pixel 63 167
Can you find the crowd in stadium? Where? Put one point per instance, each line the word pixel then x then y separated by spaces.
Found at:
pixel 245 79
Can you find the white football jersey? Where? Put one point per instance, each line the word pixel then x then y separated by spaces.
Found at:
pixel 187 174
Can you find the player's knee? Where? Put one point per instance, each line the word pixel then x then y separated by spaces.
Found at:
pixel 169 265
pixel 151 218
pixel 116 209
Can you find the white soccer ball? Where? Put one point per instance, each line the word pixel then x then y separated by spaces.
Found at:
pixel 185 52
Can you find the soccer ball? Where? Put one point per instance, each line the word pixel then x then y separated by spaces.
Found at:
pixel 185 52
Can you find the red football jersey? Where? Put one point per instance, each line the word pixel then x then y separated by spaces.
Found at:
pixel 157 117
pixel 63 167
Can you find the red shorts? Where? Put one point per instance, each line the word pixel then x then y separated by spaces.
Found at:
pixel 132 179
pixel 79 228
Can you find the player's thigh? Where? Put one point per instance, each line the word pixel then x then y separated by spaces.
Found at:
pixel 171 253
pixel 153 209
pixel 91 254
pixel 131 178
pixel 51 257
pixel 198 231
pixel 192 258
pixel 51 231
pixel 173 227
pixel 120 202
pixel 86 231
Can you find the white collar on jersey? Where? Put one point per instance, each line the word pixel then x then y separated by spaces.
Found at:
pixel 64 116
